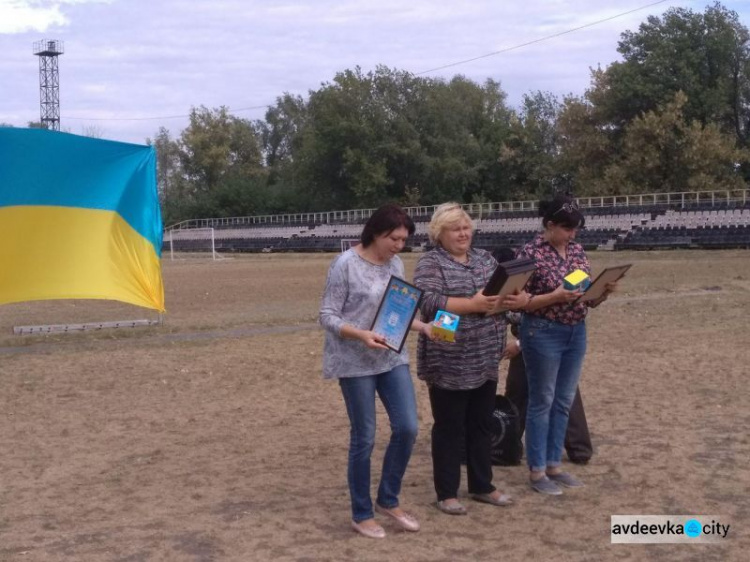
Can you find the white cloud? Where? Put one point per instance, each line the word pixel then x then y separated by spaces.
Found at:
pixel 136 59
pixel 17 16
pixel 21 16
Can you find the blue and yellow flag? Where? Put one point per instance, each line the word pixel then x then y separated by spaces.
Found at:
pixel 79 219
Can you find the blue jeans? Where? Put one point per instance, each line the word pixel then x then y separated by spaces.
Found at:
pixel 553 353
pixel 396 392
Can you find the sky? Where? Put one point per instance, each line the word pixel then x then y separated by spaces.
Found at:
pixel 133 66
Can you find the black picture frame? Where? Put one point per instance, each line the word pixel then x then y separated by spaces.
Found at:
pixel 509 277
pixel 396 311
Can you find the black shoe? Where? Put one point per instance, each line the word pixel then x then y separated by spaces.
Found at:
pixel 579 460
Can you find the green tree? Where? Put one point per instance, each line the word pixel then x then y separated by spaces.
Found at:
pixel 461 128
pixel 236 195
pixel 214 143
pixel 531 150
pixel 357 148
pixel 587 146
pixel 707 56
pixel 664 152
pixel 344 139
pixel 388 135
pixel 280 131
pixel 174 194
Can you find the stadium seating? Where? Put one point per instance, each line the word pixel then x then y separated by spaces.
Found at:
pixel 716 221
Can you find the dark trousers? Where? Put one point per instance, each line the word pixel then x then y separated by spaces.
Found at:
pixel 577 438
pixel 462 415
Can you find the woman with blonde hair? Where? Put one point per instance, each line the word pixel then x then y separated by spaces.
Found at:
pixel 461 376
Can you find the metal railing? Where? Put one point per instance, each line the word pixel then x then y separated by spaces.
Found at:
pixel 681 199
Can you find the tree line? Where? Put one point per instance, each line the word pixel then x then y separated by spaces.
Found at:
pixel 672 115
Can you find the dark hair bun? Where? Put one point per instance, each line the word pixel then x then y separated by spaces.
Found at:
pixel 558 211
pixel 546 207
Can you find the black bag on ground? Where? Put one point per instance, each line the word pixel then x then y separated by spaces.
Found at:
pixel 507 448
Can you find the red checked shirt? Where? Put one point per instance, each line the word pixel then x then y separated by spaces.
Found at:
pixel 551 269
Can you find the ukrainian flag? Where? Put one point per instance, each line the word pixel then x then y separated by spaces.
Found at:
pixel 79 219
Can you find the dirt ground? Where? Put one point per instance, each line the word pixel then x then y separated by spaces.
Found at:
pixel 214 437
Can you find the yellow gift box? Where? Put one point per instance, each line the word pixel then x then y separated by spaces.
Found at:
pixel 445 325
pixel 578 279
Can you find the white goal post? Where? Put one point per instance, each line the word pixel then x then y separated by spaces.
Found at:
pixel 347 243
pixel 195 239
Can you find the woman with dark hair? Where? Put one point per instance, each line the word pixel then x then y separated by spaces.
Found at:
pixel 553 340
pixel 577 438
pixel 364 366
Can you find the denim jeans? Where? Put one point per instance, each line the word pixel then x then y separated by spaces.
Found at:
pixel 396 392
pixel 577 437
pixel 553 353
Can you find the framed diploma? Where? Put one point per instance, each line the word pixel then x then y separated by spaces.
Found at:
pixel 396 312
pixel 597 288
pixel 509 278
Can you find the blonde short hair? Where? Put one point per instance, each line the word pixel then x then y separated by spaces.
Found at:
pixel 445 216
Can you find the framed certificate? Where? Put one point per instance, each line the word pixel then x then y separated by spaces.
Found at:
pixel 509 278
pixel 597 288
pixel 396 312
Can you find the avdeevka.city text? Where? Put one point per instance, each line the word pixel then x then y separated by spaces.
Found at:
pixel 668 528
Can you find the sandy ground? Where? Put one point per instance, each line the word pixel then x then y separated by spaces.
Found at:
pixel 214 437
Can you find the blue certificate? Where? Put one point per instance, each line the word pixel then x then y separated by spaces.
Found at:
pixel 396 312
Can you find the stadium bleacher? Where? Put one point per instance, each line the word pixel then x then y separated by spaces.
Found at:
pixel 675 220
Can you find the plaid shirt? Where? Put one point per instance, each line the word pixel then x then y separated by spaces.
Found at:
pixel 551 269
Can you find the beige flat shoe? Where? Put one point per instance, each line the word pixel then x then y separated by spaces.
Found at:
pixel 455 508
pixel 406 521
pixel 370 531
pixel 502 500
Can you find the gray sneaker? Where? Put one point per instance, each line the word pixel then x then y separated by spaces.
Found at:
pixel 565 479
pixel 545 486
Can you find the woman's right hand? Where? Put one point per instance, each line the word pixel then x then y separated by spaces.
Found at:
pixel 563 295
pixel 483 303
pixel 372 340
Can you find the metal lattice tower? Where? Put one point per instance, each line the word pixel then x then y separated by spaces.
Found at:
pixel 49 82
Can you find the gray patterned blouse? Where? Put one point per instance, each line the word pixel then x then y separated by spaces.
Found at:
pixel 353 291
pixel 474 357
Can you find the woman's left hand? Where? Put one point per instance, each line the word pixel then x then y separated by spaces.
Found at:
pixel 516 301
pixel 610 287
